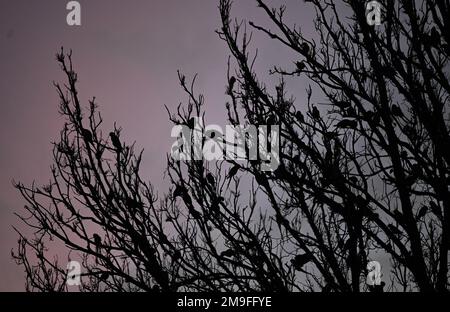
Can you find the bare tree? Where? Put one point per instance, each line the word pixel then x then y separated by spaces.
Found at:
pixel 364 170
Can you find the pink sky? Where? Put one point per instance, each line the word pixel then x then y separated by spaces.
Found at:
pixel 127 54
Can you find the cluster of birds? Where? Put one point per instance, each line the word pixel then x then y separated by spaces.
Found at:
pixel 88 137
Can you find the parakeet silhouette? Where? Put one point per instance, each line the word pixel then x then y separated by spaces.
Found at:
pixel 435 37
pixel 315 113
pixel 305 48
pixel 179 191
pixel 300 66
pixel 228 253
pixel 87 135
pixel 115 141
pixel 231 83
pixel 233 171
pixel 435 209
pixel 299 116
pixel 396 111
pixel 422 212
pixel 342 104
pixel 191 123
pixel 104 276
pixel 394 229
pixel 300 260
pixel 97 242
pixel 210 179
pixel 347 123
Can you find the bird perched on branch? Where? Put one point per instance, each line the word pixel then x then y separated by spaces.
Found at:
pixel 261 179
pixel 315 113
pixel 210 179
pixel 87 135
pixel 194 213
pixel 300 260
pixel 97 242
pixel 116 142
pixel 342 104
pixel 179 191
pixel 422 212
pixel 396 111
pixel 300 66
pixel 305 48
pixel 233 171
pixel 133 203
pixel 394 229
pixel 97 239
pixel 231 83
pixel 435 37
pixel 299 116
pixel 228 253
pixel 435 209
pixel 104 276
pixel 271 120
pixel 347 123
pixel 191 123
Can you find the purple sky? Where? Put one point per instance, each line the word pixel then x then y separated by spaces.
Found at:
pixel 127 54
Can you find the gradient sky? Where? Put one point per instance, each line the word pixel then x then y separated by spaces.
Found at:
pixel 127 54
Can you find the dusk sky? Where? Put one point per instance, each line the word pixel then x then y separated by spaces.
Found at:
pixel 127 54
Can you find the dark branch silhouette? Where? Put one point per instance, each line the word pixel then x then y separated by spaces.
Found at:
pixel 363 173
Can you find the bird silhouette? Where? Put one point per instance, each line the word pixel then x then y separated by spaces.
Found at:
pixel 305 48
pixel 233 171
pixel 399 216
pixel 97 242
pixel 97 239
pixel 300 66
pixel 394 229
pixel 232 82
pixel 350 112
pixel 179 191
pixel 300 260
pixel 435 37
pixel 271 120
pixel 261 180
pixel 187 199
pixel 372 117
pixel 104 276
pixel 194 213
pixel 115 141
pixel 176 255
pixel 435 209
pixel 281 173
pixel 87 135
pixel 422 212
pixel 315 113
pixel 342 104
pixel 353 180
pixel 99 153
pixel 133 203
pixel 396 111
pixel 191 123
pixel 210 179
pixel 299 116
pixel 347 123
pixel 228 253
